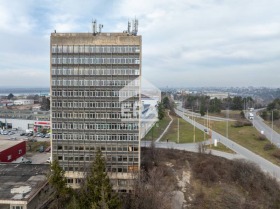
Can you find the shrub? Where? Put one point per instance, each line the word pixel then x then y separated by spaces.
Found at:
pixel 268 146
pixel 238 124
pixel 247 123
pixel 261 137
pixel 277 153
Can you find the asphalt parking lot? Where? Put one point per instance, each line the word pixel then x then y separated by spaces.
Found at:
pixel 38 158
pixel 17 136
pixel 35 157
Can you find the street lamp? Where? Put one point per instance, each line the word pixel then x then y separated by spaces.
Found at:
pixel 271 134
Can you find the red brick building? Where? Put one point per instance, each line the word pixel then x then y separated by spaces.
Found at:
pixel 11 150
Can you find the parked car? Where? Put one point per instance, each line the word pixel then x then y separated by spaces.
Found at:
pixel 47 136
pixel 32 139
pixel 48 149
pixel 22 134
pixel 5 132
pixel 49 160
pixel 27 162
pixel 38 134
pixel 11 133
pixel 29 134
pixel 41 149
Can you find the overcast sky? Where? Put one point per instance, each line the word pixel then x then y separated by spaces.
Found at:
pixel 185 42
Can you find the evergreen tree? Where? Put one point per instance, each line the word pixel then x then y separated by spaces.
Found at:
pixel 97 190
pixel 45 104
pixel 160 111
pixel 166 102
pixel 59 184
pixel 10 96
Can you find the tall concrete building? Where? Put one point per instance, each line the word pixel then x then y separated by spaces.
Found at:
pixel 95 100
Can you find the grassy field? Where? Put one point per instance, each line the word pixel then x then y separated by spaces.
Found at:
pixel 186 132
pixel 247 136
pixel 221 147
pixel 157 129
pixel 232 114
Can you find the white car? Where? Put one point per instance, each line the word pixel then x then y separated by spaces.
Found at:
pixel 49 160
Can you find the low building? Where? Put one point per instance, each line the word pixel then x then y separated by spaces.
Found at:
pixel 24 102
pixel 23 186
pixel 11 150
pixel 6 103
pixel 218 95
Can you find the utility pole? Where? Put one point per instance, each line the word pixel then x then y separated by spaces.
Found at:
pixel 178 140
pixel 227 123
pixel 271 135
pixel 194 131
pixel 204 130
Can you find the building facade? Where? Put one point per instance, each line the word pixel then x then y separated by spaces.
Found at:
pixel 95 100
pixel 11 150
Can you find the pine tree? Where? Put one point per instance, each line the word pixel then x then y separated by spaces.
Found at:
pixel 97 192
pixel 59 184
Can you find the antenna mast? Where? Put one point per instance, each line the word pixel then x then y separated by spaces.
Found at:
pixel 94 27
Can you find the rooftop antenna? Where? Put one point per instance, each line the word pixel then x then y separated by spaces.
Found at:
pixel 100 27
pixel 135 27
pixel 128 27
pixel 94 27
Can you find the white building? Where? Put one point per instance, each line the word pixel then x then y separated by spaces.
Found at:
pixel 24 102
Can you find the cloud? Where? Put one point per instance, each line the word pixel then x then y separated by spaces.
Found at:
pixel 185 42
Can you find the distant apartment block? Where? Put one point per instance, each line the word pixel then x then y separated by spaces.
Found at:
pixel 95 100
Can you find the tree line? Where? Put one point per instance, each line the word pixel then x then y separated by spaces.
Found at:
pixel 202 103
pixel 274 107
pixel 96 191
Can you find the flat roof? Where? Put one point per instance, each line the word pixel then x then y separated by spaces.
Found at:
pixel 19 182
pixel 5 144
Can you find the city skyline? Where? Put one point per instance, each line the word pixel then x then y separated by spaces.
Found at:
pixel 196 43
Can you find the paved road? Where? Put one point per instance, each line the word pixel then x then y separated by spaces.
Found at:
pixel 270 134
pixel 192 147
pixel 197 115
pixel 263 163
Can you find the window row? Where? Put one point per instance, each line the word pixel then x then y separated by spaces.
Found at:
pixel 95 82
pixel 129 148
pixel 97 126
pixel 90 71
pixel 94 104
pixel 94 49
pixel 109 159
pixel 116 168
pixel 93 115
pixel 96 137
pixel 94 93
pixel 90 60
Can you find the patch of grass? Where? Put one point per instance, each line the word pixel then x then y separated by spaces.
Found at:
pixel 34 146
pixel 157 129
pixel 221 147
pixel 248 137
pixel 186 132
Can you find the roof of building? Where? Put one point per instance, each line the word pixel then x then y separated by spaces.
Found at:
pixel 5 144
pixel 21 181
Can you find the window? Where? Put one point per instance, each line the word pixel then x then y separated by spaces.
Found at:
pixel 9 157
pixel 69 180
pixel 17 207
pixel 19 151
